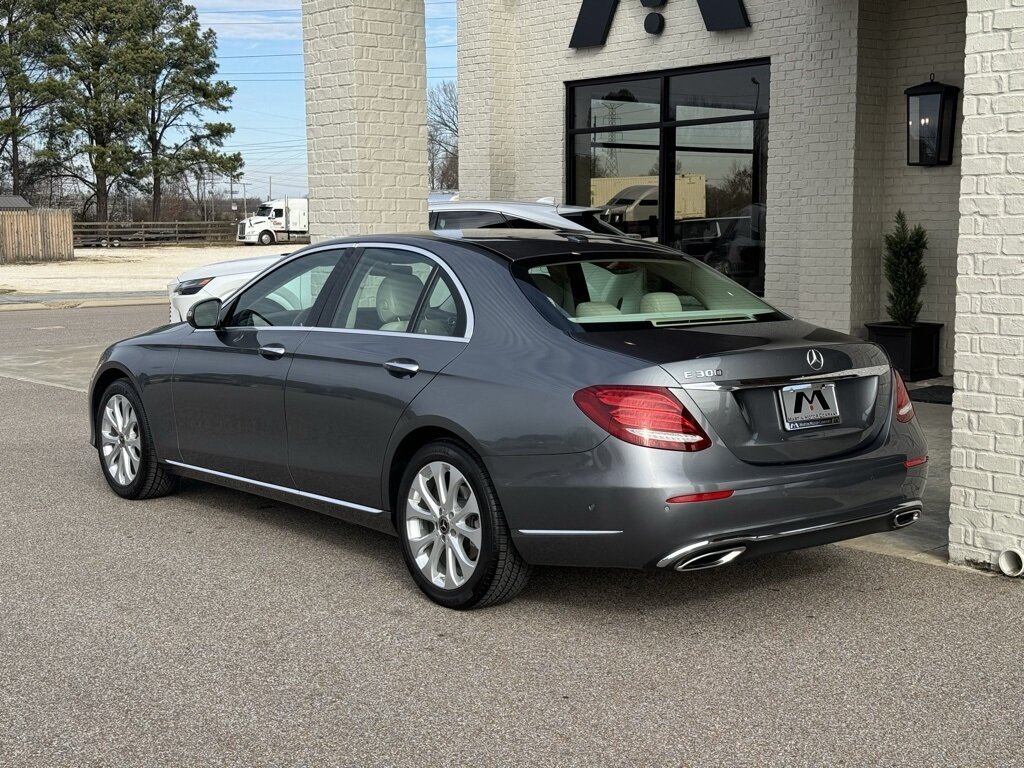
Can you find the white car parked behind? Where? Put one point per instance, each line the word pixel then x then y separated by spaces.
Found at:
pixel 222 279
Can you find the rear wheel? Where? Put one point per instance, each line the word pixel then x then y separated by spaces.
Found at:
pixel 125 446
pixel 455 540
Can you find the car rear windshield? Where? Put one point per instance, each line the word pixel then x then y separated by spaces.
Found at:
pixel 607 292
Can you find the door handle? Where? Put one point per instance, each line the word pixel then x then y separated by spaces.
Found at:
pixel 272 351
pixel 402 367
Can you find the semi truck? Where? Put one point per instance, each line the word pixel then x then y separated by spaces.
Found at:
pixel 276 220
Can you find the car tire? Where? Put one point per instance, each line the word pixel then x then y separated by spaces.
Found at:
pixel 433 534
pixel 267 238
pixel 122 428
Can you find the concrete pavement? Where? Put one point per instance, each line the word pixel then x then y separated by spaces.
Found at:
pixel 217 627
pixel 123 270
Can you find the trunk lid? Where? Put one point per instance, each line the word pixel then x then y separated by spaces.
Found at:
pixel 734 375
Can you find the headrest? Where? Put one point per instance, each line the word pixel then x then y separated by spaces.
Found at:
pixel 396 297
pixel 595 309
pixel 660 302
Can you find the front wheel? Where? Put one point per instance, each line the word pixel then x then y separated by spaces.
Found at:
pixel 455 540
pixel 266 238
pixel 125 446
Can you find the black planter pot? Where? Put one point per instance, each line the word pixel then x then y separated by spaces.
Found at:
pixel 913 349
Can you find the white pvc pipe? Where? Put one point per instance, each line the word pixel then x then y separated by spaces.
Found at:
pixel 1011 562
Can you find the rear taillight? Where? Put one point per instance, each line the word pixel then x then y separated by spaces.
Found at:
pixel 904 408
pixel 648 416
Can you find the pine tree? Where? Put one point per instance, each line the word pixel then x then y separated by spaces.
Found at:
pixel 176 80
pixel 905 270
pixel 101 109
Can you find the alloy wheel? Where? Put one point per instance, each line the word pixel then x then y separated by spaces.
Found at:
pixel 443 525
pixel 120 440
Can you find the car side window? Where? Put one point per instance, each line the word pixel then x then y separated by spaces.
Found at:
pixel 526 224
pixel 287 295
pixel 470 220
pixel 384 291
pixel 442 313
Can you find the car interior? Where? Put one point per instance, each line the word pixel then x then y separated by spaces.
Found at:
pixel 653 290
pixel 390 290
pixel 399 292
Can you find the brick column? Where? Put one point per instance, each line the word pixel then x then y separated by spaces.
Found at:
pixel 986 515
pixel 365 64
pixel 488 115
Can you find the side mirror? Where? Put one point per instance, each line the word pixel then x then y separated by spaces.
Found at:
pixel 204 314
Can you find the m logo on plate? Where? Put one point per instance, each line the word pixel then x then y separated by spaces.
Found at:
pixel 809 399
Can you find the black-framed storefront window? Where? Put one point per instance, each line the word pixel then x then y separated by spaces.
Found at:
pixel 679 156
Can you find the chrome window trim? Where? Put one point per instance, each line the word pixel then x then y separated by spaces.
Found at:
pixel 564 532
pixel 430 337
pixel 470 316
pixel 730 386
pixel 280 488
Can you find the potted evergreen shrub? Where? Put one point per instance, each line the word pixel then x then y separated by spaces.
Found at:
pixel 913 346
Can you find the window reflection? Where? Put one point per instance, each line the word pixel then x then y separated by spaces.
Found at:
pixel 699 186
pixel 618 171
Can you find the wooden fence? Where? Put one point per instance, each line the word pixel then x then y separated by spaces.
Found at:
pixel 140 234
pixel 35 235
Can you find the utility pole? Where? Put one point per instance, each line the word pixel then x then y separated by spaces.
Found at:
pixel 245 209
pixel 270 190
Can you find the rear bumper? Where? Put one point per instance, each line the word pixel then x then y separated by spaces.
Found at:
pixel 608 507
pixel 740 546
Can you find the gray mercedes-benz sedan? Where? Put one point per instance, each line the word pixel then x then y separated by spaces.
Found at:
pixel 504 402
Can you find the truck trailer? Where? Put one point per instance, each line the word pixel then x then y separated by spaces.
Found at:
pixel 276 220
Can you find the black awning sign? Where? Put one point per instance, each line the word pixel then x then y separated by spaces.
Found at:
pixel 595 19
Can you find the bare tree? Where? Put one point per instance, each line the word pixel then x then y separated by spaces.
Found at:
pixel 443 135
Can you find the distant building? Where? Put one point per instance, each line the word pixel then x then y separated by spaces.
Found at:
pixel 13 203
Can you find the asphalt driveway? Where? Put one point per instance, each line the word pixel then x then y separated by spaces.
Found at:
pixel 213 627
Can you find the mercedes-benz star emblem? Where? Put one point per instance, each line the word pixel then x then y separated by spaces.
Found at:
pixel 815 359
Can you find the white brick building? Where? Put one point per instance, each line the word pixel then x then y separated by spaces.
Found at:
pixel 794 125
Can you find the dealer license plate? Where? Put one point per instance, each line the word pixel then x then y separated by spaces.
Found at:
pixel 809 405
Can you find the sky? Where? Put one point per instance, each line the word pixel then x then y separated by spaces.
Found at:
pixel 259 51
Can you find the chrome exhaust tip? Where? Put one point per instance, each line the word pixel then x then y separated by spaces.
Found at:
pixel 712 559
pixel 905 518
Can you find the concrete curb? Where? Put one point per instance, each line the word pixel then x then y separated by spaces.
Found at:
pixel 84 304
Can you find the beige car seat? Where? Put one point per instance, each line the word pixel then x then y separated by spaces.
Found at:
pixel 662 301
pixel 396 300
pixel 595 309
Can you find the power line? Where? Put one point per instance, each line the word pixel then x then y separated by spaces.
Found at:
pixel 300 71
pixel 260 55
pixel 255 10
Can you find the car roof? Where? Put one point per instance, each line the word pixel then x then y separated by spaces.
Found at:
pixel 524 244
pixel 512 207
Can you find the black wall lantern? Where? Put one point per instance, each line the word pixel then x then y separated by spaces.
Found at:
pixel 931 123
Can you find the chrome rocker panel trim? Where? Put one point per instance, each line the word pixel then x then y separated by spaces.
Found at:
pixel 276 488
pixel 564 532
